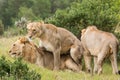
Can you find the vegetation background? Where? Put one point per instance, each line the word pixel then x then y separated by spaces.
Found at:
pixel 73 15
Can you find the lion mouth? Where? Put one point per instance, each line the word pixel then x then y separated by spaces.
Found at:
pixel 14 53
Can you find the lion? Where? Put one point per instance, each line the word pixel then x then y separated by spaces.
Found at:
pixel 56 40
pixel 26 49
pixel 101 45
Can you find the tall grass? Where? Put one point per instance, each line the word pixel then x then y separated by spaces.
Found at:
pixel 5 44
pixel 14 31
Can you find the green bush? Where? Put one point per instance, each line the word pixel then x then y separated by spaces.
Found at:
pixel 19 28
pixel 14 31
pixel 101 13
pixel 16 70
pixel 1 28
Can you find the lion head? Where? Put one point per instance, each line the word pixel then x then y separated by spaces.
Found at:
pixel 35 29
pixel 24 48
pixel 18 47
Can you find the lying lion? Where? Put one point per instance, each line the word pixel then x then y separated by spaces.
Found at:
pixel 56 40
pixel 101 45
pixel 30 52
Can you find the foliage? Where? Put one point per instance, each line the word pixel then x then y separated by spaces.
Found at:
pixel 117 29
pixel 60 4
pixel 14 31
pixel 41 8
pixel 21 23
pixel 27 13
pixel 1 28
pixel 11 10
pixel 16 70
pixel 102 13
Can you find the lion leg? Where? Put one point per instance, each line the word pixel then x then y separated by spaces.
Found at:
pixel 95 65
pixel 40 60
pixel 101 57
pixel 70 64
pixel 75 54
pixel 114 63
pixel 87 60
pixel 100 62
pixel 56 55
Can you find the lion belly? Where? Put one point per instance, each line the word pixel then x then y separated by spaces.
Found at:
pixel 48 46
pixel 94 48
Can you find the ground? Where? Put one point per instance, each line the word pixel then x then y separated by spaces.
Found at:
pixel 46 74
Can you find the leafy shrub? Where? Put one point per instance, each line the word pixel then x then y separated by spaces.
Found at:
pixel 27 13
pixel 1 28
pixel 14 31
pixel 102 14
pixel 19 28
pixel 4 67
pixel 16 70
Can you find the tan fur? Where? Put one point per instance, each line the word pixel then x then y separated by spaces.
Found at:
pixel 83 31
pixel 30 52
pixel 99 44
pixel 56 40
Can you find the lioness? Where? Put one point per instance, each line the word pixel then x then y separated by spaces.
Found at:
pixel 99 44
pixel 30 52
pixel 56 40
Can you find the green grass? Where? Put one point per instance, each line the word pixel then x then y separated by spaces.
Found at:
pixel 46 74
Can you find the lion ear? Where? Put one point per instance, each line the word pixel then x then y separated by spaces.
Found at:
pixel 24 40
pixel 19 38
pixel 83 31
pixel 94 27
pixel 41 25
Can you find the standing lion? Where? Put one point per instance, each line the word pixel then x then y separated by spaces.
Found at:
pixel 56 40
pixel 101 45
